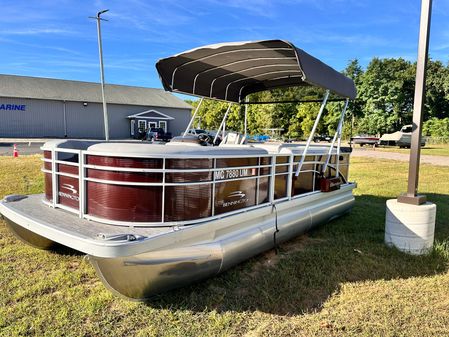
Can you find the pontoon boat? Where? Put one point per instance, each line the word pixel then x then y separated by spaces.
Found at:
pixel 153 217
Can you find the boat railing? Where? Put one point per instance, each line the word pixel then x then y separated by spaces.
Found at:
pixel 168 191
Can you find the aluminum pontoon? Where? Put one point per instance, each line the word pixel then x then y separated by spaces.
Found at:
pixel 154 217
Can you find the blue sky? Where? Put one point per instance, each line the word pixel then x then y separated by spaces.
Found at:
pixel 56 39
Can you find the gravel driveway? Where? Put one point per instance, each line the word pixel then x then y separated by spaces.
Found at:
pixel 425 159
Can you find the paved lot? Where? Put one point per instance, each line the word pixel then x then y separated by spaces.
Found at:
pixel 6 148
pixel 425 159
pixel 26 148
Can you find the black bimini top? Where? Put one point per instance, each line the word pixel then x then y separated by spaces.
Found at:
pixel 231 71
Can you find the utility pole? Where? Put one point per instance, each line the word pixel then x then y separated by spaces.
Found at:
pixel 100 50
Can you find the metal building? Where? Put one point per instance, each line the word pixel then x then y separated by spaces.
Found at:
pixel 43 107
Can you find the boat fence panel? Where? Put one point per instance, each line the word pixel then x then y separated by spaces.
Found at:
pixel 281 177
pixel 305 182
pixel 169 191
pixel 47 169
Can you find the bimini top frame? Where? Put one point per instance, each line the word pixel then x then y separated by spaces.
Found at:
pixel 231 71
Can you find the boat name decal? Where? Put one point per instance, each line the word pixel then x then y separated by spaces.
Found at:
pixel 234 173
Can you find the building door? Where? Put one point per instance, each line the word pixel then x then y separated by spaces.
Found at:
pixel 163 125
pixel 133 127
pixel 142 125
pixel 152 125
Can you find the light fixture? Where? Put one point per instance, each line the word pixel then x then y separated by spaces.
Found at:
pixel 85 103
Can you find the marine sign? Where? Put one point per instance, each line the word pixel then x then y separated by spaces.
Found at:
pixel 21 107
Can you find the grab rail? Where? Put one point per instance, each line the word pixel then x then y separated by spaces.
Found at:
pixel 312 133
pixel 223 121
pixel 193 117
pixel 263 170
pixel 337 134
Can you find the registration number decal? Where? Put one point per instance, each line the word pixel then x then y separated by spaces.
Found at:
pixel 234 173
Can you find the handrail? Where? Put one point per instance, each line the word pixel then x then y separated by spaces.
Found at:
pixel 222 123
pixel 193 117
pixel 246 118
pixel 337 134
pixel 339 147
pixel 315 125
pixel 254 172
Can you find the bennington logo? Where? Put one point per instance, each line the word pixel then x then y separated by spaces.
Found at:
pixel 237 198
pixel 71 195
pixel 237 194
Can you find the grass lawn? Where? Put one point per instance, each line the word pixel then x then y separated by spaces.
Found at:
pixel 432 149
pixel 339 280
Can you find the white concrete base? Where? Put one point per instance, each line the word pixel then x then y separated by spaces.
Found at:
pixel 410 228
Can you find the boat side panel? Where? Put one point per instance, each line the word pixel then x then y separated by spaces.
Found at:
pixel 124 203
pixel 187 202
pixel 154 191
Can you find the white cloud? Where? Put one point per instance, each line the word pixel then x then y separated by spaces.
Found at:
pixel 34 31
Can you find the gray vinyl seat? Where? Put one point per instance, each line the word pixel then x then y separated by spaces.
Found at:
pixel 233 138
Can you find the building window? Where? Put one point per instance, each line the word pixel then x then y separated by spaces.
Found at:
pixel 163 125
pixel 133 126
pixel 152 125
pixel 142 125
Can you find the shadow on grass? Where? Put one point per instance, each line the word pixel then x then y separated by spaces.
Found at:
pixel 65 251
pixel 311 268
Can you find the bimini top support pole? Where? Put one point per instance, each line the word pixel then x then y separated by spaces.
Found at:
pixel 336 136
pixel 246 119
pixel 223 121
pixel 193 117
pixel 339 140
pixel 312 133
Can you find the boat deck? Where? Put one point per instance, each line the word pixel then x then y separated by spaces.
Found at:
pixel 70 230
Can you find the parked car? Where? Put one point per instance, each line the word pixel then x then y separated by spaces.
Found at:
pixel 157 134
pixel 213 133
pixel 205 136
pixel 320 138
pixel 400 138
pixel 365 140
pixel 195 132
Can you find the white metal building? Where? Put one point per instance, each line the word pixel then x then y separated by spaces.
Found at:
pixel 43 107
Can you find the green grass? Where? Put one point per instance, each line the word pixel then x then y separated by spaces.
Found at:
pixel 431 149
pixel 338 280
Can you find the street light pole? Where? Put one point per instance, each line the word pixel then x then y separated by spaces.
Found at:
pixel 412 197
pixel 100 50
pixel 410 219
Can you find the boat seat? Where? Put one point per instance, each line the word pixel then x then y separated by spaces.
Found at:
pixel 233 138
pixel 185 140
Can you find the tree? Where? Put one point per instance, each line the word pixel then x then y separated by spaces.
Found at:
pixel 387 90
pixel 438 128
pixel 437 90
pixel 354 71
pixel 384 102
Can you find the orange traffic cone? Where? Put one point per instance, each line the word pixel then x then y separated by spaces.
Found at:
pixel 15 152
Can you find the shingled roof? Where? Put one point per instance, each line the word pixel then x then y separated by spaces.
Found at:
pixel 54 89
